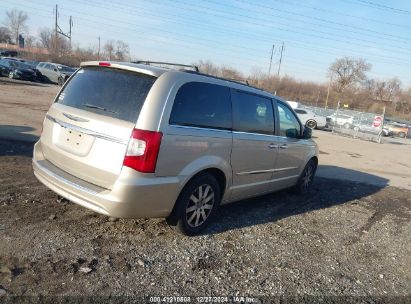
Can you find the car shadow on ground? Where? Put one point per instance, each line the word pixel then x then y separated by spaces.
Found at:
pixel 14 140
pixel 326 193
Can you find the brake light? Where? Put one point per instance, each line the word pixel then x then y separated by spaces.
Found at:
pixel 104 63
pixel 142 150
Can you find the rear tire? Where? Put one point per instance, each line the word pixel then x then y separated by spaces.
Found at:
pixel 11 75
pixel 401 134
pixel 346 125
pixel 307 177
pixel 197 204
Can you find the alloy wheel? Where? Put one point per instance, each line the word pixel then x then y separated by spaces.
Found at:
pixel 200 205
pixel 308 176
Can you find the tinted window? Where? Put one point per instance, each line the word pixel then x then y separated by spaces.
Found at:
pixel 109 92
pixel 251 113
pixel 289 125
pixel 202 105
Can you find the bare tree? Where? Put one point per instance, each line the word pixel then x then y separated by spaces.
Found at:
pixel 16 23
pixel 45 36
pixel 4 35
pixel 347 71
pixel 122 51
pixel 59 48
pixel 386 91
pixel 207 67
pixel 230 73
pixel 109 47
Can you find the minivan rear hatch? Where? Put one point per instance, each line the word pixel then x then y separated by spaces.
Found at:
pixel 87 129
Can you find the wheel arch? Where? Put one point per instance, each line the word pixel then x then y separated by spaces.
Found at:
pixel 217 173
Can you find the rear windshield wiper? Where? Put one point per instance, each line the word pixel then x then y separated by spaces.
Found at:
pixel 87 105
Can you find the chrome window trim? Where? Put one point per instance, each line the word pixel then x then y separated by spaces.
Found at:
pixel 86 131
pixel 266 171
pixel 200 128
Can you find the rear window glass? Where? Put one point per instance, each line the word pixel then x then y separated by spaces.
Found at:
pixel 115 93
pixel 202 105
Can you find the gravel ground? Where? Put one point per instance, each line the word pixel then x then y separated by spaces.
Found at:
pixel 345 241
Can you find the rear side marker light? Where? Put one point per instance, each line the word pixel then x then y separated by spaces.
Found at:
pixel 142 150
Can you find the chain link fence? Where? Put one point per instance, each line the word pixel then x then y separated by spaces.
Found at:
pixel 356 124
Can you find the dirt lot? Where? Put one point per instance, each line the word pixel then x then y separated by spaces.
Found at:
pixel 23 105
pixel 347 240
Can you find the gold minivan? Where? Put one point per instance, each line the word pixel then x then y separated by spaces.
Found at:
pixel 133 140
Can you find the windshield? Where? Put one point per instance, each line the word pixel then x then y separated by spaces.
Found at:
pixel 110 92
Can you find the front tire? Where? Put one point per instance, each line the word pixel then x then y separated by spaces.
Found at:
pixel 307 177
pixel 60 81
pixel 401 134
pixel 311 123
pixel 11 75
pixel 197 204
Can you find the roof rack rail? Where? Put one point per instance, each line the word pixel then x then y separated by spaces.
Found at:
pixel 243 81
pixel 239 81
pixel 194 67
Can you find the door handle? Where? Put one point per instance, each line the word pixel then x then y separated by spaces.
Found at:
pixel 272 146
pixel 284 146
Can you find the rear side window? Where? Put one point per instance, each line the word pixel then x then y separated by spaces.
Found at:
pixel 110 92
pixel 252 113
pixel 201 104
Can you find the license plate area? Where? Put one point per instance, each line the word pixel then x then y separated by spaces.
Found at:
pixel 73 141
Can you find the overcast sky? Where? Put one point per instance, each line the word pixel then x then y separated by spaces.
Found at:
pixel 240 33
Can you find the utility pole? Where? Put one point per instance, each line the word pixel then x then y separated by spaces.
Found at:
pixel 318 97
pixel 98 52
pixel 57 30
pixel 281 59
pixel 70 25
pixel 271 60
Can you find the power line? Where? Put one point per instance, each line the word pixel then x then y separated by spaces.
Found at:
pixel 363 18
pixel 322 51
pixel 315 18
pixel 190 43
pixel 382 7
pixel 395 49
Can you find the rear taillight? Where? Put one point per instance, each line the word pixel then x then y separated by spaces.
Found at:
pixel 142 150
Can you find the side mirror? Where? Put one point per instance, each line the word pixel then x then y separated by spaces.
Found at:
pixel 292 133
pixel 307 133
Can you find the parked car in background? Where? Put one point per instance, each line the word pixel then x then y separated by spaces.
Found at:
pixel 339 120
pixel 54 72
pixel 368 128
pixel 16 69
pixel 310 119
pixel 8 53
pixel 395 129
pixel 134 140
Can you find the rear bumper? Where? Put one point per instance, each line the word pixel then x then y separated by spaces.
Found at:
pixel 133 195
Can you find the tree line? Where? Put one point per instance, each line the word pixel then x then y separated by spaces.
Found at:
pixel 348 81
